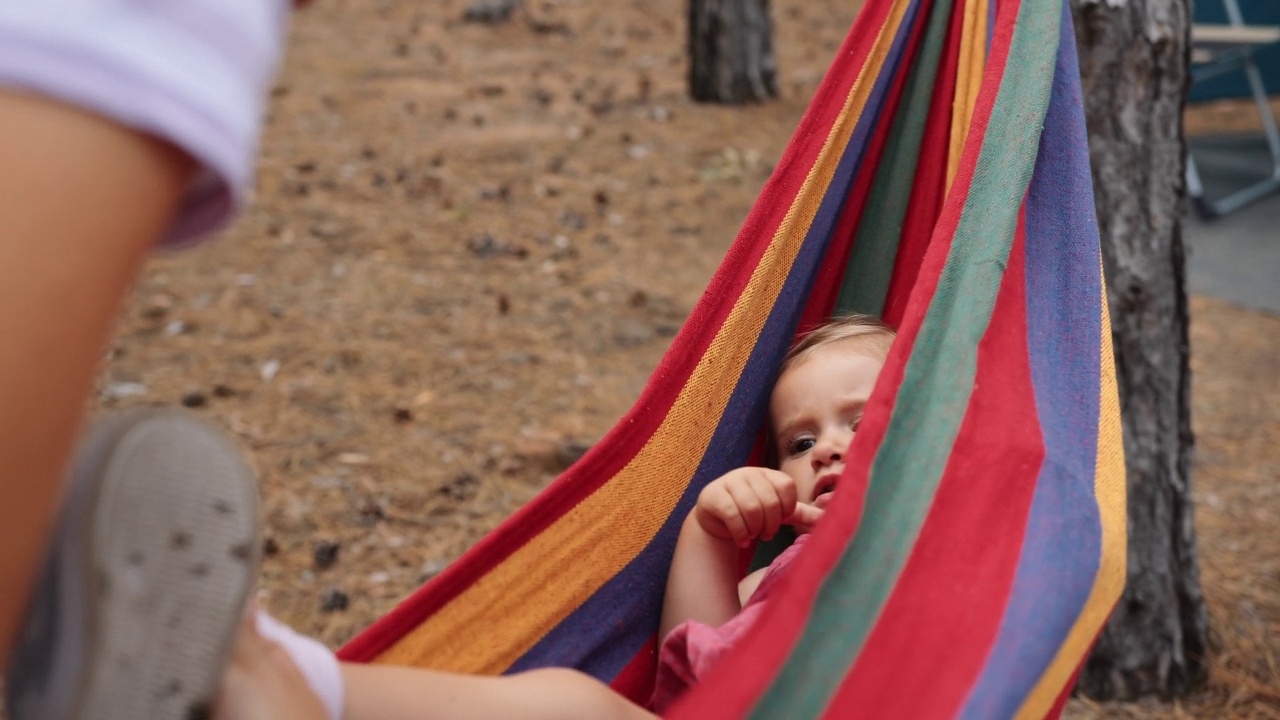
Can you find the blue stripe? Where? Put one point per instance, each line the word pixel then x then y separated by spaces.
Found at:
pixel 1061 550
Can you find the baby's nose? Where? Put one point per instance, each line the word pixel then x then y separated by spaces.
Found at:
pixel 827 451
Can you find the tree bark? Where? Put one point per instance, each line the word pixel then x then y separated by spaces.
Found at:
pixel 731 51
pixel 1133 62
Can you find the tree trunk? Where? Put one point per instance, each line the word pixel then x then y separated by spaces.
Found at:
pixel 731 51
pixel 1133 62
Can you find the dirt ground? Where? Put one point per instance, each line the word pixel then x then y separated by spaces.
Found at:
pixel 469 247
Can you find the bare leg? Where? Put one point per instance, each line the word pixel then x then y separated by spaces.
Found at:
pixel 382 692
pixel 81 201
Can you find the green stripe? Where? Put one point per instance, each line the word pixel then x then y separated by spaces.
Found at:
pixel 935 389
pixel 875 248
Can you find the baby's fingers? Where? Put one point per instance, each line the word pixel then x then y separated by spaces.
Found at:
pixel 805 517
pixel 772 505
pixel 750 510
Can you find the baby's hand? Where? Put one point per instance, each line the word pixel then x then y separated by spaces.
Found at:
pixel 750 503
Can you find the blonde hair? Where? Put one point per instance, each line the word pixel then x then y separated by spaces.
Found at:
pixel 871 334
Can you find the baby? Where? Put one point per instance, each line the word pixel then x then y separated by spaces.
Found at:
pixel 137 612
pixel 817 403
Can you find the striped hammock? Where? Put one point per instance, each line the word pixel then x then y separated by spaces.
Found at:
pixel 940 178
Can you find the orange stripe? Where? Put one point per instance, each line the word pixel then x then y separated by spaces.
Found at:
pixel 973 59
pixel 1109 488
pixel 491 624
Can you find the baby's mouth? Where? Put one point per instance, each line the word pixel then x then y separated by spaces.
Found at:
pixel 824 489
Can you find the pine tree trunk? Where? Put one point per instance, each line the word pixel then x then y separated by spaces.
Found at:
pixel 731 51
pixel 1133 61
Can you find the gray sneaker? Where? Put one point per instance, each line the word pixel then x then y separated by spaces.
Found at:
pixel 153 555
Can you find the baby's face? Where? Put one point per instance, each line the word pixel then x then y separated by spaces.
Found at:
pixel 816 407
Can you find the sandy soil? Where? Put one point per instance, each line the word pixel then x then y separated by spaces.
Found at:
pixel 472 243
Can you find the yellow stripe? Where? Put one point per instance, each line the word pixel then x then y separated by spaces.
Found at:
pixel 1109 487
pixel 973 59
pixel 504 613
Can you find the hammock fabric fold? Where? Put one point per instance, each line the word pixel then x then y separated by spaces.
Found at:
pixel 939 178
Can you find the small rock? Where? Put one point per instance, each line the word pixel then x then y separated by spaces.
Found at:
pixel 484 245
pixel 270 548
pixel 350 458
pixel 194 399
pixel 379 578
pixel 462 488
pixel 430 569
pixel 157 306
pixel 223 391
pixel 326 554
pixel 573 220
pixel 176 327
pixel 403 416
pixel 490 12
pixel 371 512
pixel 500 192
pixel 570 451
pixel 115 391
pixel 334 600
pixel 630 333
pixel 269 370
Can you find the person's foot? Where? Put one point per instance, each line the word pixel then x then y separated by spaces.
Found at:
pixel 140 597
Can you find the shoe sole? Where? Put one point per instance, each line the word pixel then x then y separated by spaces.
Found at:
pixel 172 554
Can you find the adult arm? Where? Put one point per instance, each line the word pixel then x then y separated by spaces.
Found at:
pixel 82 199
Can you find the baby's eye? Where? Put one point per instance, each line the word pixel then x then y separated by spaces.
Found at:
pixel 799 445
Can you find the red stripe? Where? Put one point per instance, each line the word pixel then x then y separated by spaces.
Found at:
pixel 636 680
pixel 826 285
pixel 630 434
pixel 1056 711
pixel 945 610
pixel 931 175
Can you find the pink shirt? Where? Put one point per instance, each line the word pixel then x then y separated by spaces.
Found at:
pixel 693 648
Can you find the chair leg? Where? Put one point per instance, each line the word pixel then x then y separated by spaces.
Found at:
pixel 1195 189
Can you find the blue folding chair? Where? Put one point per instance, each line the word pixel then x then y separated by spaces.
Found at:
pixel 1228 48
